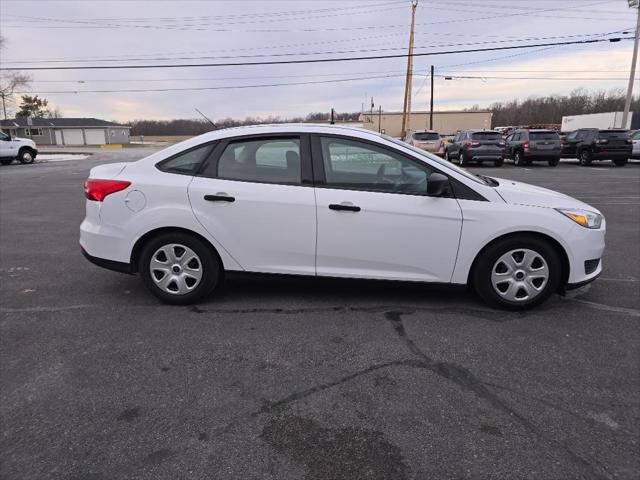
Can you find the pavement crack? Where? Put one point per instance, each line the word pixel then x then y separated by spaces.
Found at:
pixel 465 379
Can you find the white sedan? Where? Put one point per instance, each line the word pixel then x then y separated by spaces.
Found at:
pixel 332 201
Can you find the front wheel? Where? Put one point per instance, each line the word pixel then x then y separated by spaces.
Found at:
pixel 620 162
pixel 517 273
pixel 179 268
pixel 553 162
pixel 26 156
pixel 446 156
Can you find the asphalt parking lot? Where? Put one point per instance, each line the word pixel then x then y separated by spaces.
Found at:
pixel 277 378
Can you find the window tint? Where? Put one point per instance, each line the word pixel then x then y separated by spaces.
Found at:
pixel 614 134
pixel 510 138
pixel 636 136
pixel 486 136
pixel 274 160
pixel 360 166
pixel 544 136
pixel 571 135
pixel 516 137
pixel 420 136
pixel 185 163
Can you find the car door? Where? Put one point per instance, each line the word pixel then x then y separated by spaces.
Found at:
pixel 255 196
pixel 374 217
pixel 569 144
pixel 636 145
pixel 5 146
pixel 509 148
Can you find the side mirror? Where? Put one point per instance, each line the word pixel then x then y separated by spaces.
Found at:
pixel 436 184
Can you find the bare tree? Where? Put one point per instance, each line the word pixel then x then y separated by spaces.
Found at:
pixel 10 83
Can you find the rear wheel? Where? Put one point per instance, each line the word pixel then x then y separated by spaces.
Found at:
pixel 179 268
pixel 586 158
pixel 26 156
pixel 446 156
pixel 620 162
pixel 461 159
pixel 518 159
pixel 517 273
pixel 553 162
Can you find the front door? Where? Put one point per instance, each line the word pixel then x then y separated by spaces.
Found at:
pixel 375 219
pixel 252 199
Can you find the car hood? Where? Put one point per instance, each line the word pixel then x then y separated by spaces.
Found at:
pixel 20 139
pixel 518 193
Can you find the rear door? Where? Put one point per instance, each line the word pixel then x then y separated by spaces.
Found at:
pixel 490 143
pixel 544 142
pixel 374 217
pixel 615 142
pixel 569 144
pixel 255 197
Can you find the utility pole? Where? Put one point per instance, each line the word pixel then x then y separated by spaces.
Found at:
pixel 627 103
pixel 332 120
pixel 4 106
pixel 431 103
pixel 379 118
pixel 406 108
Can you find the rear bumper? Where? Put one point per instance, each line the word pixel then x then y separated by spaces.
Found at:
pixel 542 155
pixel 108 264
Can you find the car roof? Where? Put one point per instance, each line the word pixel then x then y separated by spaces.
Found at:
pixel 424 131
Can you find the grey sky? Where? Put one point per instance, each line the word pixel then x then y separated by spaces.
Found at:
pixel 100 32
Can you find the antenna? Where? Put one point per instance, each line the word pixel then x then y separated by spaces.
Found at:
pixel 206 118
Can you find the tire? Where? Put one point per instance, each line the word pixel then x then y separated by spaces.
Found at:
pixel 585 157
pixel 446 156
pixel 553 162
pixel 522 287
pixel 26 156
pixel 461 159
pixel 6 161
pixel 498 163
pixel 518 159
pixel 621 162
pixel 182 286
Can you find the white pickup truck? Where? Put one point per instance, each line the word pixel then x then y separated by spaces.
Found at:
pixel 12 148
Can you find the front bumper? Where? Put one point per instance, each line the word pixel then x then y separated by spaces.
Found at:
pixel 584 245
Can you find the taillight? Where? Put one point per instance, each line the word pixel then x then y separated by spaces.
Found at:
pixel 502 144
pixel 600 140
pixel 525 145
pixel 97 190
pixel 470 143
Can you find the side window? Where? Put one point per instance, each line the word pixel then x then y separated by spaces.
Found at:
pixel 185 163
pixel 636 136
pixel 272 160
pixel 571 135
pixel 509 138
pixel 360 166
pixel 517 137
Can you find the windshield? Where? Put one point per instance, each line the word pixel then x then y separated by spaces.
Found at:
pixel 614 134
pixel 3 136
pixel 544 136
pixel 426 136
pixel 486 136
pixel 438 160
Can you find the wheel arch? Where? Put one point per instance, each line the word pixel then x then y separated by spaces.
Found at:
pixel 26 147
pixel 141 242
pixel 557 246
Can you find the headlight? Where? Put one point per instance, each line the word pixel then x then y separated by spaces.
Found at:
pixel 586 218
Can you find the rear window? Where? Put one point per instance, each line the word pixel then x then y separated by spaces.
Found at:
pixel 486 136
pixel 421 136
pixel 613 134
pixel 544 136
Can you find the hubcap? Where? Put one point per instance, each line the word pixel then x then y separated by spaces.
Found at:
pixel 520 275
pixel 27 157
pixel 175 269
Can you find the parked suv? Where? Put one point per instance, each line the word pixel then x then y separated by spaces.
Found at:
pixel 427 140
pixel 635 138
pixel 588 144
pixel 12 148
pixel 525 146
pixel 477 146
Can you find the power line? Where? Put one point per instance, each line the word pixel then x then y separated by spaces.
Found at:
pixel 314 60
pixel 294 54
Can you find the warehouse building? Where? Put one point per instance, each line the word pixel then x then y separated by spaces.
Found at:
pixel 445 123
pixel 67 131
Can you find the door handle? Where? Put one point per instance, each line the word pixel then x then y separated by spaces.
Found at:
pixel 219 197
pixel 347 208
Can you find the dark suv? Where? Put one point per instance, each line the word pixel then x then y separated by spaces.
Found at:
pixel 588 144
pixel 525 146
pixel 476 146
